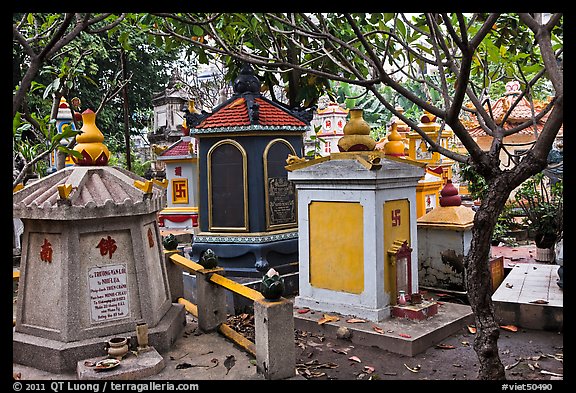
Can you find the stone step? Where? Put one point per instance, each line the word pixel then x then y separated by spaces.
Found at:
pixel 398 335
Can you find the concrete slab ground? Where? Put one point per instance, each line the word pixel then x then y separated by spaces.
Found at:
pixel 194 356
pixel 397 335
pixel 529 297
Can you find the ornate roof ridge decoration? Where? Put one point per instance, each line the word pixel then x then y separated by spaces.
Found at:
pixel 249 110
pixel 332 107
pixel 522 112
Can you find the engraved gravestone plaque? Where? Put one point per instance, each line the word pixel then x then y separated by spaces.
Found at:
pixel 108 293
pixel 281 201
pixel 280 192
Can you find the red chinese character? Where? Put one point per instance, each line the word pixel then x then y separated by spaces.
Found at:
pixel 46 251
pixel 150 238
pixel 107 246
pixel 178 171
pixel 396 217
pixel 340 124
pixel 328 124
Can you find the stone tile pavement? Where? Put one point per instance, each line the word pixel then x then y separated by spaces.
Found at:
pixel 529 297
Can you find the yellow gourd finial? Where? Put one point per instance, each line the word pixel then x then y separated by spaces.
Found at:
pixel 89 142
pixel 394 146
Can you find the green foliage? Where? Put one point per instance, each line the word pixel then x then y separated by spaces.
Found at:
pixel 137 166
pixel 543 204
pixel 477 185
pixel 316 139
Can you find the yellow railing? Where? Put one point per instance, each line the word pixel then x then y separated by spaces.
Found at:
pixel 242 290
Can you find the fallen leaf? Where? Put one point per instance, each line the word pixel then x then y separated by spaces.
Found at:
pixel 326 365
pixel 404 335
pixel 340 351
pixel 369 369
pixel 551 373
pixel 539 301
pixel 355 320
pixel 327 318
pixel 508 285
pixel 465 343
pixel 355 358
pixel 456 365
pixel 472 329
pixel 414 370
pixel 229 362
pixel 303 310
pixel 508 367
pixel 445 346
pixel 510 328
pixel 377 329
pixel 183 366
pixel 531 367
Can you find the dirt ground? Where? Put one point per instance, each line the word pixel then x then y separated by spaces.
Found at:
pixel 526 355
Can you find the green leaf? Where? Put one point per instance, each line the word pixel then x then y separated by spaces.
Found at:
pixel 197 30
pixel 71 152
pixel 401 28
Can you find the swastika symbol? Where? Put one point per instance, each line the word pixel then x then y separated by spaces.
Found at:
pixel 180 190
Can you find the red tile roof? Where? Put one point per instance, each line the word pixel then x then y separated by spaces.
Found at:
pixel 520 114
pixel 178 149
pixel 235 114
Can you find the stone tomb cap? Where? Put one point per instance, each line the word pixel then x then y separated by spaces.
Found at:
pixel 95 192
pixel 345 166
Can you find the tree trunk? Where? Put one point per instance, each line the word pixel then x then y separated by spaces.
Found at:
pixel 478 277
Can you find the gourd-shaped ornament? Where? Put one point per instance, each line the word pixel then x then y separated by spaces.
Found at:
pixel 449 195
pixel 89 142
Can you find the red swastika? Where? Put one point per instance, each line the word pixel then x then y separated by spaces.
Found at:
pixel 180 190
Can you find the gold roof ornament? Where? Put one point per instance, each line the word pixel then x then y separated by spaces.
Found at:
pixel 356 134
pixel 89 143
pixel 394 146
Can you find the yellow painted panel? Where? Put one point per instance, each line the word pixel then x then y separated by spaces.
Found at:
pixel 336 246
pixel 396 227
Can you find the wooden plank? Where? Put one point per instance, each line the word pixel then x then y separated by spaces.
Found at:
pixel 239 339
pixel 189 306
pixel 186 263
pixel 235 287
